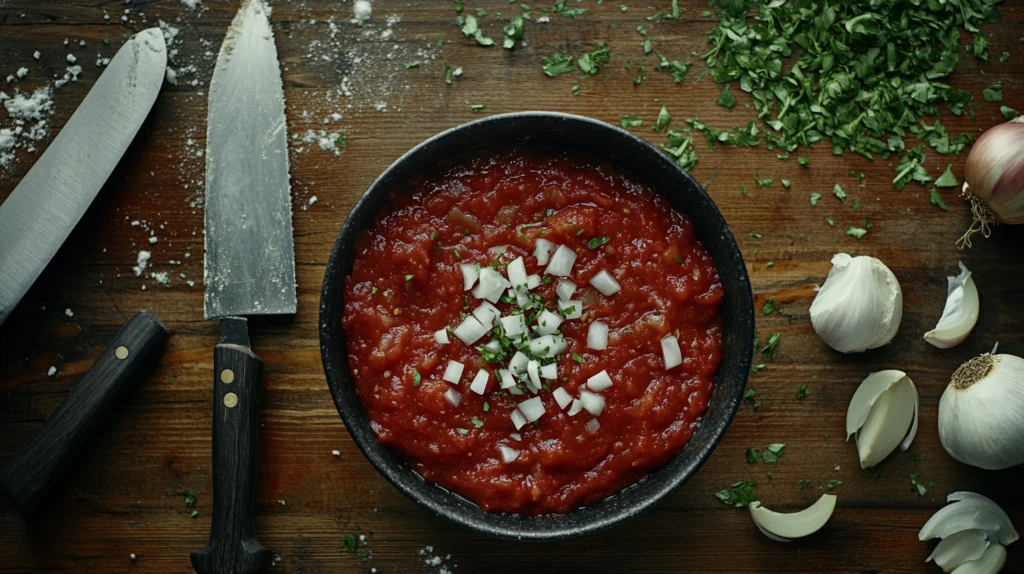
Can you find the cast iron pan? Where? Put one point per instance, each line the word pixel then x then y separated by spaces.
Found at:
pixel 629 153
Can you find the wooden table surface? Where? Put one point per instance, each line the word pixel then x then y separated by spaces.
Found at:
pixel 126 494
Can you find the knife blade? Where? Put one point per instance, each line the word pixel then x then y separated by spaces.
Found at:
pixel 48 202
pixel 249 269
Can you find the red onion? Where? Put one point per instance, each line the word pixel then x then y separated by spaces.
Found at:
pixel 995 179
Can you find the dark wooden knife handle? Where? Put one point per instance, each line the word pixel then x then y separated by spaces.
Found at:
pixel 42 461
pixel 233 547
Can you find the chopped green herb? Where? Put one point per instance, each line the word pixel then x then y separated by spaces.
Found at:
pixel 481 12
pixel 477 422
pixel 753 455
pixel 641 76
pixel 447 74
pixel 762 182
pixel 576 90
pixel 785 183
pixel 830 222
pixel 837 191
pixel 414 64
pixel 680 148
pixel 1008 113
pixel 341 141
pixel 769 306
pixel 646 45
pixel 773 453
pixel 993 93
pixel 416 378
pixel 560 8
pixel 832 485
pixel 190 498
pixel 814 198
pixel 769 264
pixel 771 347
pixel 947 179
pixel 476 108
pixel 487 406
pixel 630 121
pixel 804 161
pixel 664 118
pixel 803 392
pixel 757 368
pixel 803 484
pixel 856 232
pixel 935 198
pixel 750 395
pixel 373 290
pixel 597 242
pixel 408 277
pixel 755 235
pixel 559 63
pixel 726 99
pixel 513 32
pixel 740 494
pixel 463 431
pixel 591 62
pixel 195 513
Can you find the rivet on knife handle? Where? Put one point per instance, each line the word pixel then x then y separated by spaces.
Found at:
pixel 40 463
pixel 233 546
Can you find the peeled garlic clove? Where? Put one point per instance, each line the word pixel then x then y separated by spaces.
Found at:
pixel 991 561
pixel 981 412
pixel 859 307
pixel 883 414
pixel 970 511
pixel 785 527
pixel 960 313
pixel 958 548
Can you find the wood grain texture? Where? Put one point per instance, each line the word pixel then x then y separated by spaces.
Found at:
pixel 125 496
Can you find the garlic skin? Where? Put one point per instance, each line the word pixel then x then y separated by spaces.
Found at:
pixel 960 313
pixel 785 527
pixel 883 413
pixel 981 412
pixel 859 307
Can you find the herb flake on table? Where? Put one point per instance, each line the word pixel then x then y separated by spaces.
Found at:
pixel 591 62
pixel 769 306
pixel 771 347
pixel 814 198
pixel 803 392
pixel 856 232
pixel 838 191
pixel 832 485
pixel 947 179
pixel 664 118
pixel 726 99
pixel 740 494
pixel 993 93
pixel 557 64
pixel 630 121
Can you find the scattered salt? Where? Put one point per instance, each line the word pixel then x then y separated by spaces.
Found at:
pixel 36 54
pixel 143 259
pixel 72 59
pixel 361 11
pixel 69 312
pixel 162 278
pixel 152 239
pixel 312 200
pixel 191 4
pixel 336 452
pixel 22 72
pixel 51 372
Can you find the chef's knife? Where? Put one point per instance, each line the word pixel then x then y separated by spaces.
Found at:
pixel 45 206
pixel 249 268
pixel 41 462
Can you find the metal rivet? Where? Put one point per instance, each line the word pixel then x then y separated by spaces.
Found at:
pixel 227 376
pixel 121 352
pixel 230 400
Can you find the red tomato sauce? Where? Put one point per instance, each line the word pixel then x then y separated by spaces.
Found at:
pixel 491 207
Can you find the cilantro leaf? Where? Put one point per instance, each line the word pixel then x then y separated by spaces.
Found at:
pixel 814 198
pixel 993 93
pixel 947 179
pixel 740 494
pixel 726 99
pixel 591 62
pixel 664 118
pixel 559 63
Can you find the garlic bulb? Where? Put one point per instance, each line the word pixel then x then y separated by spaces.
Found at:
pixel 981 412
pixel 993 179
pixel 974 530
pixel 960 313
pixel 883 414
pixel 860 305
pixel 784 527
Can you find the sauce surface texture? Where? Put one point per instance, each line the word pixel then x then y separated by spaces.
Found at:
pixel 491 208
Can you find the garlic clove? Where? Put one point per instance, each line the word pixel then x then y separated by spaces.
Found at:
pixel 865 396
pixel 981 412
pixel 970 511
pixel 860 305
pixel 913 425
pixel 958 548
pixel 960 313
pixel 991 562
pixel 887 424
pixel 785 527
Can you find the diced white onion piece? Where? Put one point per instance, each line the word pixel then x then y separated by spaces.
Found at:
pixel 561 262
pixel 605 283
pixel 491 285
pixel 441 336
pixel 534 281
pixel 549 371
pixel 548 322
pixel 533 369
pixel 470 330
pixel 517 274
pixel 470 273
pixel 577 406
pixel 546 346
pixel 508 454
pixel 516 391
pixel 784 527
pixel 523 300
pixel 453 372
pixel 597 336
pixel 506 379
pixel 571 309
pixel 670 351
pixel 487 314
pixel 514 325
pixel 565 289
pixel 453 397
pixel 518 362
pixel 592 403
pixel 479 384
pixel 532 409
pixel 518 419
pixel 560 344
pixel 562 397
pixel 516 436
pixel 543 251
pixel 493 345
pixel 599 382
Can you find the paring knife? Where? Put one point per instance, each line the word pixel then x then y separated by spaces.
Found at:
pixel 249 269
pixel 41 212
pixel 41 462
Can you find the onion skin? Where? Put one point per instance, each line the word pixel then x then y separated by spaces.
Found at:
pixel 995 171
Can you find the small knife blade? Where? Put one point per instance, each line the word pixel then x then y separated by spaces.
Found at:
pixel 250 256
pixel 46 205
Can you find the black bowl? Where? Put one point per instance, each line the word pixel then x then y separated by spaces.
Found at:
pixel 632 154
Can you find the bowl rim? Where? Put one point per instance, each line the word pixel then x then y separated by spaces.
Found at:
pixel 366 440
